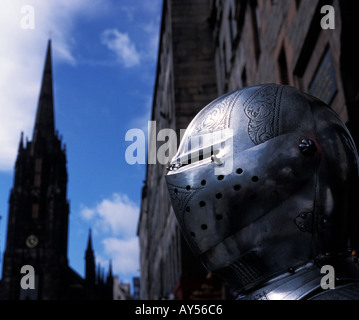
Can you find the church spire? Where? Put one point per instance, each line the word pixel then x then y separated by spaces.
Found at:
pixel 45 123
pixel 109 279
pixel 89 242
pixel 110 269
pixel 21 143
pixel 90 272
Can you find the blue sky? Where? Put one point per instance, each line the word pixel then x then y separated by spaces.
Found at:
pixel 104 63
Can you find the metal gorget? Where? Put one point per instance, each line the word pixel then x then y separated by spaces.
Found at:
pixel 304 283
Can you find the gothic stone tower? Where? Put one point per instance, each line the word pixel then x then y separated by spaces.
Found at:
pixel 38 207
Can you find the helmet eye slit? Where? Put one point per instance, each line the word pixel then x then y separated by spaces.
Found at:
pixel 193 157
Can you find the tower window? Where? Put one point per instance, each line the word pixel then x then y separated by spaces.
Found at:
pixel 37 177
pixel 37 180
pixel 35 211
pixel 38 163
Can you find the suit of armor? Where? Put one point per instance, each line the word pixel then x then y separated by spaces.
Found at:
pixel 264 186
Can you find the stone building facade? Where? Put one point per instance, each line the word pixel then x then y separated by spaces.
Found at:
pixel 263 41
pixel 185 82
pixel 208 48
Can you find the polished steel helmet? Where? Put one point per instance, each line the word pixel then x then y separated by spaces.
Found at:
pixel 265 179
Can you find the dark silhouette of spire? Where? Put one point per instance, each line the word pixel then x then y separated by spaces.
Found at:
pixel 90 272
pixel 109 278
pixel 44 129
pixel 110 269
pixel 98 276
pixel 109 282
pixel 89 242
pixel 21 143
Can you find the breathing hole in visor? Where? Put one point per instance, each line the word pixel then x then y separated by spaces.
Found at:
pixel 237 187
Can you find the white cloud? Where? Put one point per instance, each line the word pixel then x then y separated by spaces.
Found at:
pixel 114 220
pixel 124 253
pixel 22 55
pixel 87 213
pixel 147 49
pixel 122 46
pixel 117 215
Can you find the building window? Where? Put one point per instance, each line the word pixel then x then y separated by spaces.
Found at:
pixel 37 180
pixel 224 55
pixel 244 78
pixel 324 82
pixel 255 18
pixel 283 67
pixel 35 211
pixel 241 6
pixel 232 26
